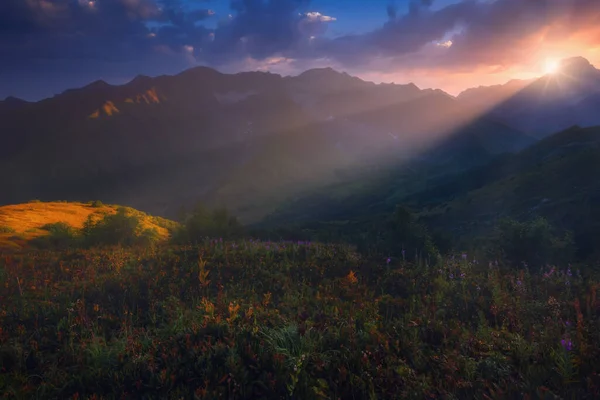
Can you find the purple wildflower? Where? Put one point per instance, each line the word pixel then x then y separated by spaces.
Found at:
pixel 519 283
pixel 451 276
pixel 389 260
pixel 567 344
pixel 464 256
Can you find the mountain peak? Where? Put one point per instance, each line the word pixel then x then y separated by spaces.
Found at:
pixel 14 100
pixel 140 79
pixel 200 72
pixel 576 66
pixel 97 84
pixel 320 72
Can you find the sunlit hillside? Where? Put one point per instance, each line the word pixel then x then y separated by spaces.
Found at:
pixel 21 223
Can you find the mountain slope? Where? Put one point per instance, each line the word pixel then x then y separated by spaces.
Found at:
pixel 161 143
pixel 556 178
pixel 571 96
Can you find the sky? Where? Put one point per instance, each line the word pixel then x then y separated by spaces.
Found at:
pixel 48 46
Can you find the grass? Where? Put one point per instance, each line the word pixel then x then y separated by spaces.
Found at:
pixel 27 220
pixel 266 320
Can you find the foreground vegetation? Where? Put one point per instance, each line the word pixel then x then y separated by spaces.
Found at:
pixel 251 319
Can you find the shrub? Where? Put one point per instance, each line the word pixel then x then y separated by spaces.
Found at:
pixel 121 228
pixel 96 203
pixel 6 229
pixel 203 223
pixel 60 236
pixel 402 235
pixel 535 243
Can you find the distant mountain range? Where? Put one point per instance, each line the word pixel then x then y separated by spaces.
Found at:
pixel 256 141
pixel 248 141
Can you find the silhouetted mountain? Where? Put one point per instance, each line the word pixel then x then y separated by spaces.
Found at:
pixel 11 104
pixel 553 102
pixel 248 140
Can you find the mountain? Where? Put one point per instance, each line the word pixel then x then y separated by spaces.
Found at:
pixel 484 98
pixel 570 96
pixel 555 178
pixel 11 104
pixel 248 140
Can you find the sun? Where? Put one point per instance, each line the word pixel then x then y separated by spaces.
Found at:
pixel 551 66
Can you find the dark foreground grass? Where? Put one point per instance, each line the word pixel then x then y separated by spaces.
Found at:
pixel 258 320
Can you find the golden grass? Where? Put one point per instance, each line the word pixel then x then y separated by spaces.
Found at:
pixel 20 223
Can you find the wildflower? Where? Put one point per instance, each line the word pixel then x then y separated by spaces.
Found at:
pixel 569 273
pixel 388 260
pixel 464 256
pixel 351 277
pixel 451 276
pixel 567 344
pixel 463 275
pixel 519 283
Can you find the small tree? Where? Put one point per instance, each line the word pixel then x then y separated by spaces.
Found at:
pixel 203 223
pixel 60 236
pixel 118 229
pixel 535 243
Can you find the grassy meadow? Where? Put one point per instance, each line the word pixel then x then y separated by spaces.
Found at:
pixel 250 319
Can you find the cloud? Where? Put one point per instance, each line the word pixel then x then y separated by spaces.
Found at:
pixel 314 16
pixel 113 39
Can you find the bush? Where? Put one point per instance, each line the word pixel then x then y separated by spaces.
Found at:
pixel 117 229
pixel 6 229
pixel 535 243
pixel 60 236
pixel 203 223
pixel 96 203
pixel 403 236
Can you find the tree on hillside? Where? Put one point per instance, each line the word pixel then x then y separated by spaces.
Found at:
pixel 535 243
pixel 120 228
pixel 202 223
